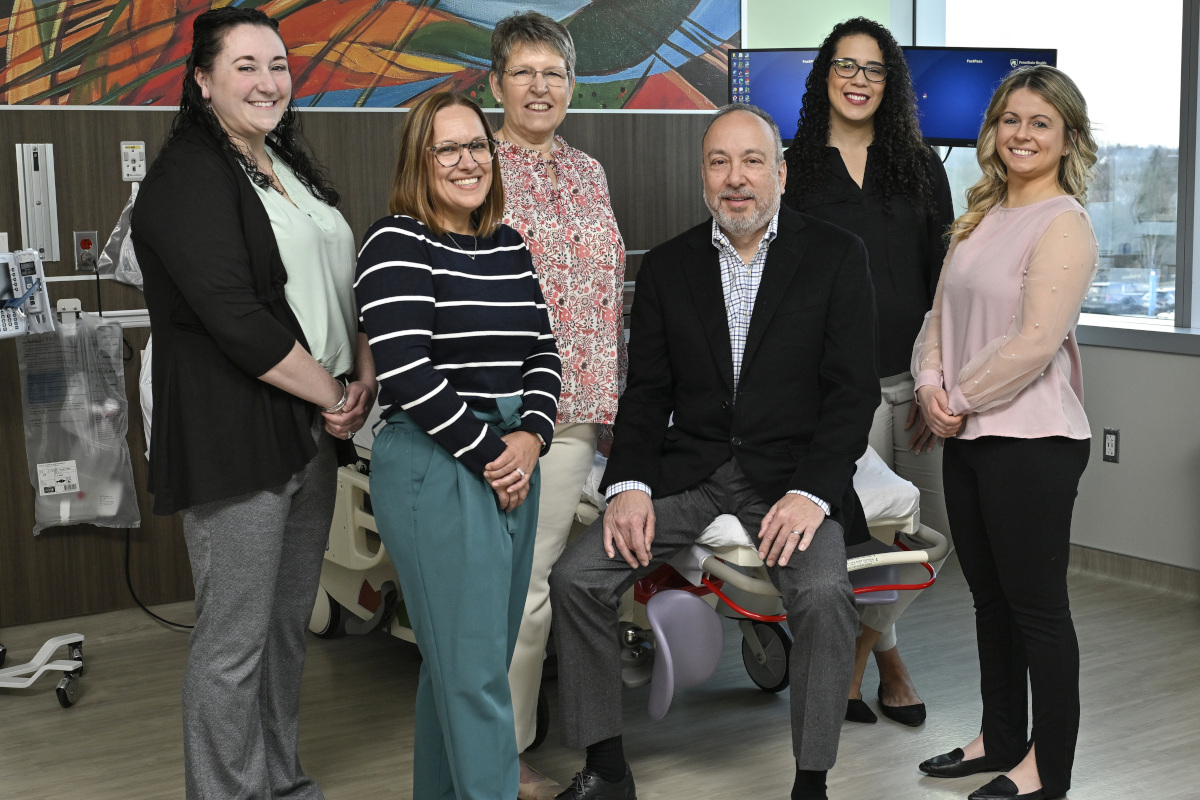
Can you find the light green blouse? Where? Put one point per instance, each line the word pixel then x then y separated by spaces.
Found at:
pixel 317 248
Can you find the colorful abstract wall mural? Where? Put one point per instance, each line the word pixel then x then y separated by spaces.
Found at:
pixel 632 54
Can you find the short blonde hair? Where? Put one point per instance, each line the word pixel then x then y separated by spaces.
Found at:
pixel 1074 169
pixel 411 194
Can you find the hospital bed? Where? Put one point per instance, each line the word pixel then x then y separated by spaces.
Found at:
pixel 671 634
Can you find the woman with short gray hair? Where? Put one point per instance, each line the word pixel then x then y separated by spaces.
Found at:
pixel 557 197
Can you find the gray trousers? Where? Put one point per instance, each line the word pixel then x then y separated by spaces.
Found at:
pixel 586 588
pixel 256 561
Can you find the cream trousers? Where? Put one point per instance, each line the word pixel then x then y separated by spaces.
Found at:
pixel 889 438
pixel 564 469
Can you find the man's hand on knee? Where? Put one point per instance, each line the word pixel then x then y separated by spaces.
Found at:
pixel 787 527
pixel 629 527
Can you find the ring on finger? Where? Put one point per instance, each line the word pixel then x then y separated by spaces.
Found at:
pixel 520 472
pixel 794 533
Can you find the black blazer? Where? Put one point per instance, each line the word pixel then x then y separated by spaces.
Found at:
pixel 807 390
pixel 214 285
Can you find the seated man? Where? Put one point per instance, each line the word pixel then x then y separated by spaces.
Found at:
pixel 756 332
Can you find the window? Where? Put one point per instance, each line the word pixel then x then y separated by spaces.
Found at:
pixel 1128 67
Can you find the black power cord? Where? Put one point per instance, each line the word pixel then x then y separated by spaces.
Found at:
pixel 133 594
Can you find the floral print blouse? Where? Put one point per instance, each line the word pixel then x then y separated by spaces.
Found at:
pixel 580 260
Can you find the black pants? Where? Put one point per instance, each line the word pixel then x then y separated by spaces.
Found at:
pixel 1009 502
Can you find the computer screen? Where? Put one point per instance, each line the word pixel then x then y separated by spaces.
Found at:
pixel 953 85
pixel 773 80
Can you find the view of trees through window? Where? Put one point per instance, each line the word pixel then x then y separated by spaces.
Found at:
pixel 1134 109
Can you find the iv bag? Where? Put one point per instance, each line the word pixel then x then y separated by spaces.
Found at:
pixel 76 418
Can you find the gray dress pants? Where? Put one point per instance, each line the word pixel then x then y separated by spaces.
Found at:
pixel 256 561
pixel 586 588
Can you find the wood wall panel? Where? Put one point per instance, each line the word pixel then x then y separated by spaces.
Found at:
pixel 652 162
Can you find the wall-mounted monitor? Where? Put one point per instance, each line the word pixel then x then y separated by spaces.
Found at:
pixel 953 85
pixel 773 80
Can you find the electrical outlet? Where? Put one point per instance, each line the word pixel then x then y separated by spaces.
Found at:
pixel 1112 445
pixel 87 250
pixel 133 161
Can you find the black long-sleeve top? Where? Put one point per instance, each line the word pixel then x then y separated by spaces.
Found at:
pixel 905 248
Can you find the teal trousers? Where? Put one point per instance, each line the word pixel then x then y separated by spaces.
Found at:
pixel 464 572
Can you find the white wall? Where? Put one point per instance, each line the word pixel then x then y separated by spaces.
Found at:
pixel 1148 504
pixel 804 23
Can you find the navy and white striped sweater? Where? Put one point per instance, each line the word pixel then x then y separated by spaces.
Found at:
pixel 451 332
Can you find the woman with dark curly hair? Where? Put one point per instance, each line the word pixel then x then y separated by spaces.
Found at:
pixel 259 373
pixel 858 161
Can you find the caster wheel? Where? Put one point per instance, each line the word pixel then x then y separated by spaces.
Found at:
pixel 328 620
pixel 76 653
pixel 543 720
pixel 68 689
pixel 771 673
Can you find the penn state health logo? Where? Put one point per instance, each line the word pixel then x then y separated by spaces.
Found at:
pixel 1012 62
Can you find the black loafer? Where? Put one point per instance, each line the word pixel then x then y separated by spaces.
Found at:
pixel 587 785
pixel 859 711
pixel 912 716
pixel 954 765
pixel 1002 788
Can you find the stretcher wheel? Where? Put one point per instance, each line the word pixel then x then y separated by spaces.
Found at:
pixel 68 689
pixel 328 620
pixel 543 720
pixel 771 673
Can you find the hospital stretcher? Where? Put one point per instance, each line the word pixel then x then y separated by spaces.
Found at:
pixel 671 634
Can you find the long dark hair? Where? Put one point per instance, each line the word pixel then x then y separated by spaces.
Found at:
pixel 901 150
pixel 208 38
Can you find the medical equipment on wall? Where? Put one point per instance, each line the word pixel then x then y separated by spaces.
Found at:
pixel 76 419
pixel 117 258
pixel 38 199
pixel 23 676
pixel 24 302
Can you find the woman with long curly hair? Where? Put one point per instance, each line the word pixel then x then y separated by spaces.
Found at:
pixel 858 161
pixel 997 369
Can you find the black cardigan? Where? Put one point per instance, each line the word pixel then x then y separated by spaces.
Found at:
pixel 214 286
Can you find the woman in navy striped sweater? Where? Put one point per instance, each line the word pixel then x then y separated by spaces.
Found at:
pixel 470 378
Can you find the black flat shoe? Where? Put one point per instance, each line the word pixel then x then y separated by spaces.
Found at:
pixel 1002 788
pixel 587 785
pixel 859 711
pixel 912 716
pixel 953 765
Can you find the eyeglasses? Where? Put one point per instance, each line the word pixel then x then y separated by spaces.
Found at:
pixel 523 76
pixel 848 68
pixel 448 154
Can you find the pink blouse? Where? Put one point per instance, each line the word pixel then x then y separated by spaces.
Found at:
pixel 580 260
pixel 1001 335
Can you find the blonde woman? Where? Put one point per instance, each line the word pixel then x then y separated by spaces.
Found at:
pixel 997 371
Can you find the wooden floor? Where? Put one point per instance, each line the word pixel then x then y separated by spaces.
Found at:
pixel 1140 735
